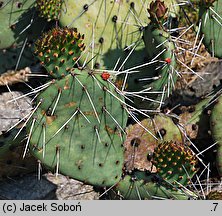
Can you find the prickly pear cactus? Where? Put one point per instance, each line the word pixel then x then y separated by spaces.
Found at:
pixel 141 185
pixel 210 18
pixel 175 163
pixel 10 13
pixel 59 50
pixel 78 128
pixel 215 121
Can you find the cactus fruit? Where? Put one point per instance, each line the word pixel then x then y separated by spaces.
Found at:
pixel 140 141
pixel 141 186
pixel 175 162
pixel 50 10
pixel 78 128
pixel 215 120
pixel 210 17
pixel 59 50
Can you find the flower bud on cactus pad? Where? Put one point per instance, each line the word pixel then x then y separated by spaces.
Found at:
pixel 157 11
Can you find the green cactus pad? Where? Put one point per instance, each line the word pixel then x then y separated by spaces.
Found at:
pixel 141 185
pixel 59 50
pixel 210 15
pixel 159 46
pixel 19 23
pixel 78 128
pixel 20 26
pixel 10 13
pixel 175 162
pixel 49 9
pixel 216 129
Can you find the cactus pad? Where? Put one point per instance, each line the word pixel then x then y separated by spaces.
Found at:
pixel 109 28
pixel 210 14
pixel 159 46
pixel 215 120
pixel 78 128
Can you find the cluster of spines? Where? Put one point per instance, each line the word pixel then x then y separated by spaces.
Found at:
pixel 175 162
pixel 60 48
pixel 49 9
